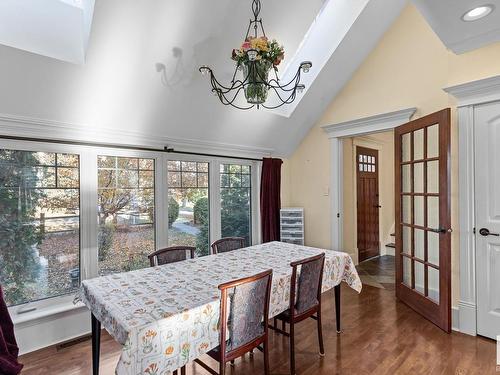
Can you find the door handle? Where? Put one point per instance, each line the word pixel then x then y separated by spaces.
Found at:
pixel 377 206
pixel 441 230
pixel 486 232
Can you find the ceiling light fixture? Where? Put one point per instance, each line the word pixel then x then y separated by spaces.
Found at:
pixel 255 59
pixel 478 13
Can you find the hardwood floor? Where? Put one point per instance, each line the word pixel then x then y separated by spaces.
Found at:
pixel 379 272
pixel 381 336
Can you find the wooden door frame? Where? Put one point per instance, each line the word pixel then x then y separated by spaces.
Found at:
pixel 376 147
pixel 336 133
pixel 468 96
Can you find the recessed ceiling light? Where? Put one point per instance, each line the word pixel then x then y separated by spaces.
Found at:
pixel 478 13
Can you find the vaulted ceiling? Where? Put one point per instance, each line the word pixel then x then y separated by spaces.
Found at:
pixel 445 17
pixel 140 74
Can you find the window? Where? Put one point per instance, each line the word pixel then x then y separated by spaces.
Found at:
pixel 39 225
pixel 236 217
pixel 52 235
pixel 126 204
pixel 367 163
pixel 188 204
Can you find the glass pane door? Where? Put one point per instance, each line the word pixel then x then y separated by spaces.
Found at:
pixel 126 205
pixel 236 216
pixel 188 205
pixel 420 210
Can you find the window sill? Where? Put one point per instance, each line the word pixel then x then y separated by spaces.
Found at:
pixel 46 312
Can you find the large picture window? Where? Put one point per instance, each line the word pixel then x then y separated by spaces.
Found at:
pixel 39 225
pixel 69 213
pixel 235 191
pixel 126 205
pixel 188 204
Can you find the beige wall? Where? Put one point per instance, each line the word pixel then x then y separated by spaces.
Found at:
pixel 384 143
pixel 408 68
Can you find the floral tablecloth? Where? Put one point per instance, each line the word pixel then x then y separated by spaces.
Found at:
pixel 166 316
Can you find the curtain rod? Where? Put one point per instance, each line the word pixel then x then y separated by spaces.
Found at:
pixel 172 151
pixel 125 147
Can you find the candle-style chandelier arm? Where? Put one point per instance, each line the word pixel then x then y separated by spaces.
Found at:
pixel 290 86
pixel 230 101
pixel 288 100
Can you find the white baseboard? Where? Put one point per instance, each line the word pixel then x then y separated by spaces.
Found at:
pixel 467 317
pixel 455 318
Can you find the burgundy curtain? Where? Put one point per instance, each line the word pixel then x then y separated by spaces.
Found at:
pixel 8 345
pixel 270 199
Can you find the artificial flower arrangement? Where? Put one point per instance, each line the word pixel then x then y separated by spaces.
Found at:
pixel 268 51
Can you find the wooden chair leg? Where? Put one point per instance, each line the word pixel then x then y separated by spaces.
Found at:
pixel 183 370
pixel 320 335
pixel 222 368
pixel 292 348
pixel 266 357
pixel 175 372
pixel 275 323
pixel 283 325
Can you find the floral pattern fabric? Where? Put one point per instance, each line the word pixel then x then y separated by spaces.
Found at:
pixel 246 313
pixel 166 316
pixel 307 291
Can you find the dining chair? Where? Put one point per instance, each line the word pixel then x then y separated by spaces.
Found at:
pixel 170 255
pixel 246 326
pixel 228 244
pixel 305 301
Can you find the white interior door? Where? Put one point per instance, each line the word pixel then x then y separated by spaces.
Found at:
pixel 487 184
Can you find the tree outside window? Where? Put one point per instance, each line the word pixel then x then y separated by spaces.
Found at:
pixel 39 225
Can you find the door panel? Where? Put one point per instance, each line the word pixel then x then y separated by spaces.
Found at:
pixel 487 182
pixel 423 261
pixel 367 203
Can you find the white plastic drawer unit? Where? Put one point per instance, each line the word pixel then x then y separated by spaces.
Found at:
pixel 292 225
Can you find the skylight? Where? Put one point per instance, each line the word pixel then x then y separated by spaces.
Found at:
pixel 325 34
pixel 54 28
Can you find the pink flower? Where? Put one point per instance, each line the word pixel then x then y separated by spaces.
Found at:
pixel 246 46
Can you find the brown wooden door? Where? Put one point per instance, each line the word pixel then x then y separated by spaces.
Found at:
pixel 367 202
pixel 423 233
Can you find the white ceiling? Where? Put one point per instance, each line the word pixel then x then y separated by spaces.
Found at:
pixel 445 17
pixel 141 72
pixel 56 28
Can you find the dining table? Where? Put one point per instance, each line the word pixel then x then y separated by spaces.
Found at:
pixel 166 316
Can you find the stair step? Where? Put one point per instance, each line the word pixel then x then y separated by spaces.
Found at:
pixel 392 244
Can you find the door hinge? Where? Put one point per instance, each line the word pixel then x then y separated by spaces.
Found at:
pixel 338 215
pixel 474 230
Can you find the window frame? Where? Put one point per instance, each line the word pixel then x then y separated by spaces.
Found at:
pixel 88 156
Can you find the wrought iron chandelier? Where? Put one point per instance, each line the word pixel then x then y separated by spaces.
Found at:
pixel 255 59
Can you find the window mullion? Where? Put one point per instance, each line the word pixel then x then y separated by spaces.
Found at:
pixel 88 214
pixel 255 203
pixel 161 198
pixel 214 191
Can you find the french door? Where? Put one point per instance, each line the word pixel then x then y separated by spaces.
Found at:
pixel 367 203
pixel 423 233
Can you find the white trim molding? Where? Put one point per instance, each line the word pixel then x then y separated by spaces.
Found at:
pixel 335 132
pixel 21 126
pixel 476 92
pixel 369 125
pixel 468 96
